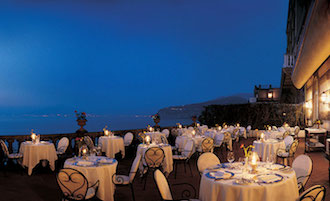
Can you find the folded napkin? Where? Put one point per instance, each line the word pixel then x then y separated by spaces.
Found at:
pixel 220 175
pixel 85 163
pixel 105 160
pixel 270 178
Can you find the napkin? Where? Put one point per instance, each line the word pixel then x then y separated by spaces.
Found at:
pixel 220 175
pixel 85 163
pixel 269 178
pixel 105 160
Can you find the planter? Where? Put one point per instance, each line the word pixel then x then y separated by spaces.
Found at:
pixel 81 123
pixel 156 122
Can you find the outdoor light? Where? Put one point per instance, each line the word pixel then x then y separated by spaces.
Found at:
pixel 324 97
pixel 270 95
pixel 147 139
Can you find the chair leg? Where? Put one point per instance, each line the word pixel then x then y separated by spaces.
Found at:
pixel 176 168
pixel 132 190
pixel 190 168
pixel 184 165
pixel 145 180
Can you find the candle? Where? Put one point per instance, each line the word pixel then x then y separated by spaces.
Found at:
pixel 106 132
pixel 198 125
pixel 33 136
pixel 219 128
pixel 237 125
pixel 193 132
pixel 147 139
pixel 150 129
pixel 84 151
pixel 180 126
pixel 262 136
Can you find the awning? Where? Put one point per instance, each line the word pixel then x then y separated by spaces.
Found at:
pixel 315 48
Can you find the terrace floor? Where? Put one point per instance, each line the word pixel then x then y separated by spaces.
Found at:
pixel 16 186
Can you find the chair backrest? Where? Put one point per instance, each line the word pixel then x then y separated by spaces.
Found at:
pixel 188 149
pixel 4 148
pixel 285 134
pixel 314 193
pixel 303 166
pixel 248 128
pixel 134 167
pixel 162 185
pixel 296 130
pixel 154 157
pixel 227 137
pixel 141 137
pixel 89 142
pixel 218 139
pixel 288 141
pixel 207 144
pixel 166 132
pixel 163 139
pixel 207 160
pixel 128 138
pixel 293 148
pixel 274 128
pixel 72 183
pixel 63 144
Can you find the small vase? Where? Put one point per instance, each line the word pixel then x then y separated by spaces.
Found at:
pixel 81 123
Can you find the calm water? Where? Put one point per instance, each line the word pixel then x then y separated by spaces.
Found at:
pixel 45 124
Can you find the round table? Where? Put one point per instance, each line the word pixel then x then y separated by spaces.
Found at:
pixel 34 152
pixel 112 145
pixel 168 160
pixel 268 148
pixel 231 188
pixel 98 171
pixel 273 135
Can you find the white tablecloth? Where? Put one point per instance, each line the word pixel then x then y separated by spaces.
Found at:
pixel 267 148
pixel 273 134
pixel 33 153
pixel 228 190
pixel 168 160
pixel 112 145
pixel 103 173
pixel 181 141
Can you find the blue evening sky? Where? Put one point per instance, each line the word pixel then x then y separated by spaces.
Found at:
pixel 135 57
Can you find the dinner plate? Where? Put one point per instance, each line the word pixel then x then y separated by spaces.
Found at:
pixel 219 175
pixel 269 178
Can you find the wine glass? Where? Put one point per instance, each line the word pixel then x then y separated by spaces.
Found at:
pixel 230 157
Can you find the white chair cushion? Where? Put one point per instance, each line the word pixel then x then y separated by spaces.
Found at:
pixel 124 180
pixel 285 154
pixel 16 155
pixel 90 193
pixel 179 157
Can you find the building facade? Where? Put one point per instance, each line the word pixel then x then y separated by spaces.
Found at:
pixel 266 93
pixel 308 50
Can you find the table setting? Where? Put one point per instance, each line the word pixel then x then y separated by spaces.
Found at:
pixel 36 150
pixel 267 148
pixel 96 168
pixel 248 181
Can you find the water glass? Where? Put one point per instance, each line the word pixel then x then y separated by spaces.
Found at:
pixel 230 157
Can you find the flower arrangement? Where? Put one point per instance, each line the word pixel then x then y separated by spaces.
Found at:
pixel 318 122
pixel 80 115
pixel 247 150
pixel 155 117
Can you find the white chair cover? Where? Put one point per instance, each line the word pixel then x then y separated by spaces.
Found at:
pixel 218 139
pixel 207 160
pixel 190 128
pixel 303 166
pixel 128 138
pixel 162 185
pixel 288 141
pixel 62 145
pixel 134 167
pixel 188 149
pixel 166 132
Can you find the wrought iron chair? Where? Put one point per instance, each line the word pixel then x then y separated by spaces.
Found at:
pixel 74 185
pixel 235 136
pixel 89 142
pixel 303 166
pixel 296 132
pixel 7 159
pixel 153 158
pixel 285 134
pixel 285 154
pixel 227 141
pixel 314 193
pixel 166 132
pixel 165 191
pixel 163 139
pixel 141 137
pixel 184 157
pixel 207 160
pixel 206 145
pixel 123 180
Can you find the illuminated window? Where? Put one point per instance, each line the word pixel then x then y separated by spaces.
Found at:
pixel 270 94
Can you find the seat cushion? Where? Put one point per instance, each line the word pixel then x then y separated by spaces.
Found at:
pixel 16 155
pixel 122 180
pixel 90 193
pixel 284 154
pixel 179 157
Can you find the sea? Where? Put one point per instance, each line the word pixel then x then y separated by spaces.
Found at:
pixel 56 124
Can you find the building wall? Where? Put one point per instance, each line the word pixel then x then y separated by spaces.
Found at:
pixel 318 84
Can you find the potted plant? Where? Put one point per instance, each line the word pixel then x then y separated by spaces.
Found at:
pixel 81 120
pixel 156 119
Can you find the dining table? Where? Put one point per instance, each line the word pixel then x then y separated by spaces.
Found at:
pixel 168 160
pixel 268 148
pixel 112 145
pixel 237 182
pixel 33 152
pixel 96 168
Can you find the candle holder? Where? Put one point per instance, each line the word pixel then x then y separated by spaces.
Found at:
pixel 253 162
pixel 84 151
pixel 147 139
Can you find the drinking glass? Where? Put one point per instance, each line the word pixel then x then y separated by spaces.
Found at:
pixel 230 157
